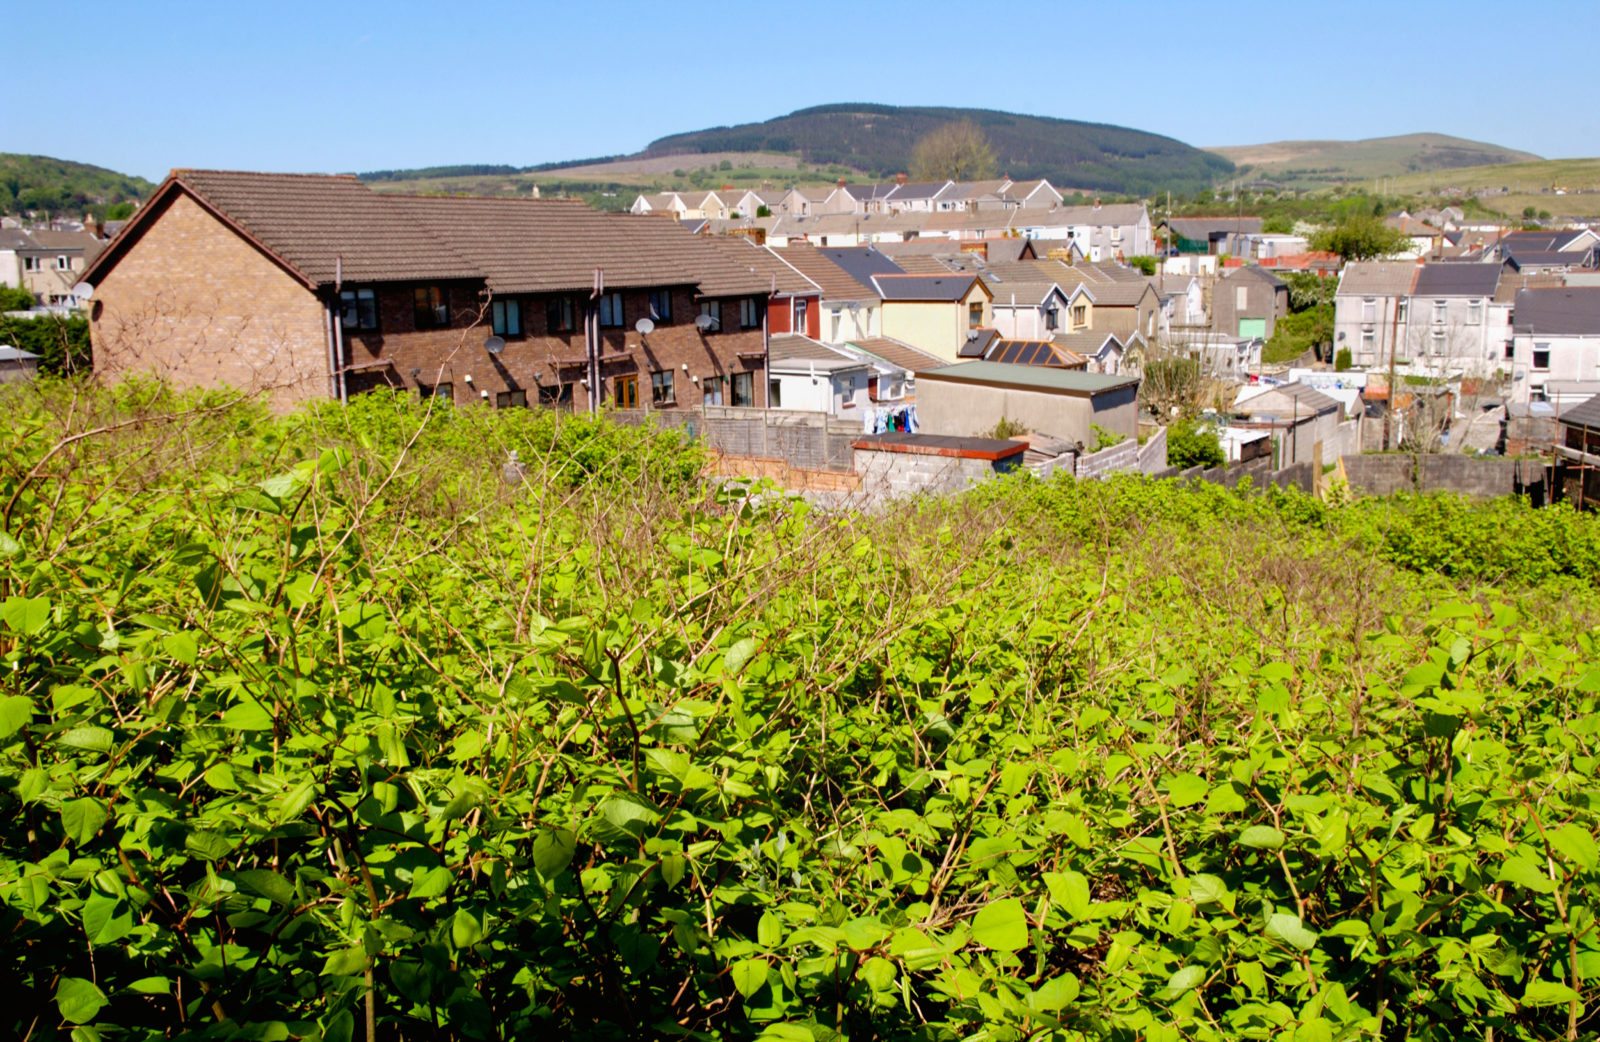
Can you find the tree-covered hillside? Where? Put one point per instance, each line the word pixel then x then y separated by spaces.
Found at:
pixel 331 726
pixel 40 184
pixel 881 138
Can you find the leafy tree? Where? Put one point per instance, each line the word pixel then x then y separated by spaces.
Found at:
pixel 1278 226
pixel 763 210
pixel 1299 332
pixel 15 298
pixel 959 151
pixel 62 343
pixel 1361 238
pixel 1307 289
pixel 1191 443
pixel 1144 263
pixel 1342 360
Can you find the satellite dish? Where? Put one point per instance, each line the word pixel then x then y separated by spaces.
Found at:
pixel 495 344
pixel 645 327
pixel 83 291
pixel 972 334
pixel 705 322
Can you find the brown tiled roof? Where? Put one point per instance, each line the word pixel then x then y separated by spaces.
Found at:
pixel 318 223
pixel 733 265
pixel 836 284
pixel 897 353
pixel 324 227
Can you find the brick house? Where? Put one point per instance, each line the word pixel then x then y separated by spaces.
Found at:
pixel 313 286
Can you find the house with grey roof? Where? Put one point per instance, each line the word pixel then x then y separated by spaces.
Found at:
pixel 1369 309
pixel 1454 322
pixel 806 375
pixel 1556 345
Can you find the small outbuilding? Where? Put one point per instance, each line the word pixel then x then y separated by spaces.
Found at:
pixel 17 365
pixel 972 398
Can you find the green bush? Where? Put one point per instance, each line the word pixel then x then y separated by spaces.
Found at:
pixel 1191 443
pixel 315 727
pixel 1342 360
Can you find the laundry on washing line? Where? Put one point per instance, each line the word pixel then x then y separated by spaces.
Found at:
pixel 902 418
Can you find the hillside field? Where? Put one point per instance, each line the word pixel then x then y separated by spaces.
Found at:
pixel 327 726
pixel 1518 185
pixel 1323 164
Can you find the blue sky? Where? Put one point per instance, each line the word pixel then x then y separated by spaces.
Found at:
pixel 363 85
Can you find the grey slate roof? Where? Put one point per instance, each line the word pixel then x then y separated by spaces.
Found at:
pixel 1567 311
pixel 861 262
pixel 950 287
pixel 1378 279
pixel 1201 229
pixel 1457 280
pixel 1585 415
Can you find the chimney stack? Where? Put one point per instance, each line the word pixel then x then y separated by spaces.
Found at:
pixel 841 182
pixel 900 179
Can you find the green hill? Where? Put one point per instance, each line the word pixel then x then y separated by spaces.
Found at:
pixel 879 139
pixel 1320 164
pixel 41 183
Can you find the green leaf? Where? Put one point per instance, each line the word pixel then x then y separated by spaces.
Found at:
pixel 1526 874
pixel 734 659
pixel 1001 925
pixel 89 739
pixel 1289 928
pixel 151 986
pixel 626 816
pixel 1186 789
pixel 1070 890
pixel 431 882
pixel 672 868
pixel 1055 994
pixel 9 547
pixel 1207 889
pixel 82 819
pixel 79 1000
pixel 248 715
pixel 749 976
pixel 269 884
pixel 769 930
pixel 16 712
pixel 1186 980
pixel 106 920
pixel 1261 837
pixel 26 615
pixel 1575 844
pixel 346 962
pixel 1547 993
pixel 553 850
pixel 182 647
pixel 465 930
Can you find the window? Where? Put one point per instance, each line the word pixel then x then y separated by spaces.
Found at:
pixel 835 319
pixel 444 391
pixel 1475 313
pixel 626 392
pixel 1438 312
pixel 775 394
pixel 557 397
pixel 611 310
pixel 661 388
pixel 63 263
pixel 712 309
pixel 1511 350
pixel 1241 298
pixel 1080 315
pixel 30 264
pixel 429 308
pixel 661 306
pixel 1052 319
pixel 1369 342
pixel 975 314
pixel 800 306
pixel 744 390
pixel 711 390
pixel 1369 309
pixel 511 400
pixel 507 317
pixel 358 309
pixel 558 315
pixel 1541 356
pixel 749 313
pixel 1402 309
pixel 1436 342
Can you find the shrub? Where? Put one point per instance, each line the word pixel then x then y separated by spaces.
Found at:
pixel 1191 443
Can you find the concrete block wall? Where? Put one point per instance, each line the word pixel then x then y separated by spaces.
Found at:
pixel 1479 477
pixel 1153 453
pixel 1119 458
pixel 892 474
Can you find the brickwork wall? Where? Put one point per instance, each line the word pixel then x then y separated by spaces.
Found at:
pixel 546 357
pixel 197 305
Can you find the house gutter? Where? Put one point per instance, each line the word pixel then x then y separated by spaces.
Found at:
pixel 330 322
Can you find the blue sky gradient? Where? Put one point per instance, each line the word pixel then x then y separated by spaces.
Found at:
pixel 364 85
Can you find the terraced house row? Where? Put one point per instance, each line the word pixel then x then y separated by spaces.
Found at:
pixel 314 286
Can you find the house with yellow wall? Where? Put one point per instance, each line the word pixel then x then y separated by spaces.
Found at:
pixel 934 312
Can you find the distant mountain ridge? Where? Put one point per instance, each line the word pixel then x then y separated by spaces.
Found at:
pixel 60 185
pixel 1311 164
pixel 879 139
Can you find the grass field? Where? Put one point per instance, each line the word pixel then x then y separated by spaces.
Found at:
pixel 1524 185
pixel 1318 164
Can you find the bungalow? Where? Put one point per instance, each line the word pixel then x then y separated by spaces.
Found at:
pixel 934 312
pixel 312 286
pixel 1211 235
pixel 916 196
pixel 1304 421
pixel 807 376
